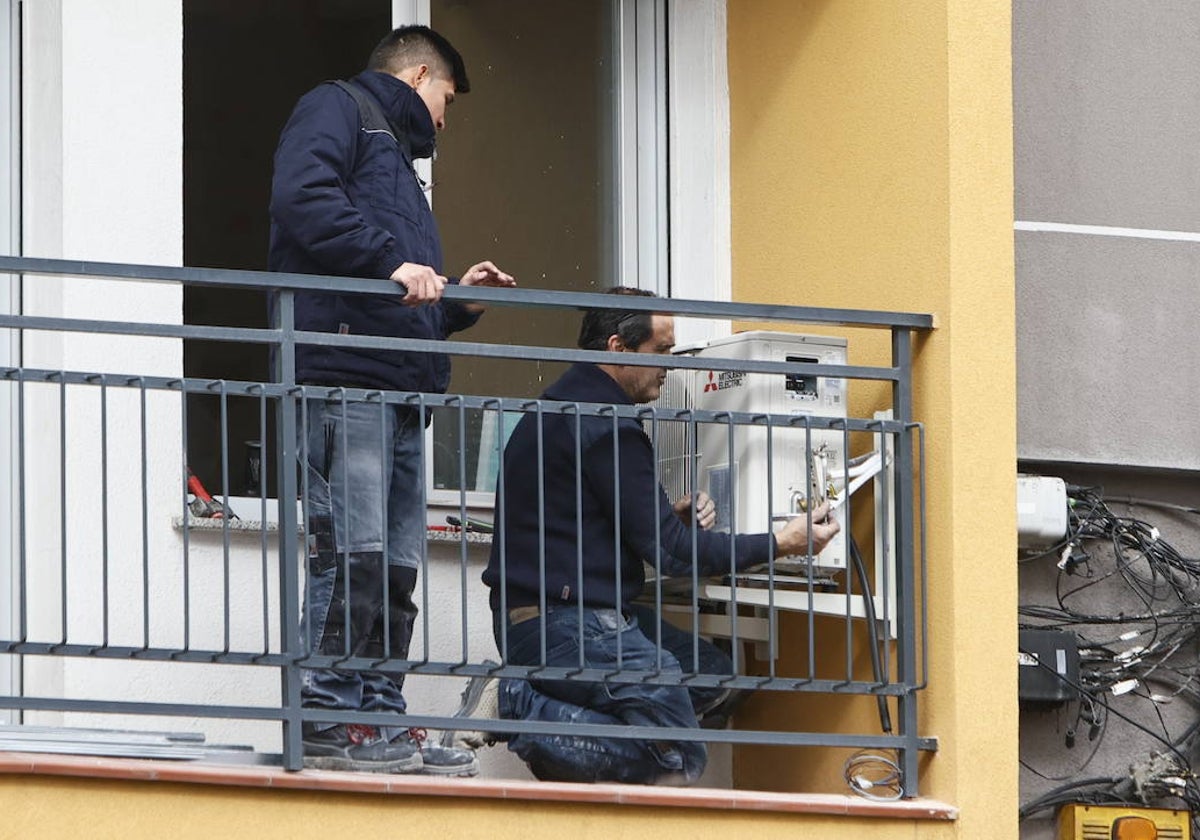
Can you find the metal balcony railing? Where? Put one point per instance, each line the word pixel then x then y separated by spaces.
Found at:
pixel 107 563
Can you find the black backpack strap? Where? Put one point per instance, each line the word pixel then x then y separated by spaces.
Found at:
pixel 370 112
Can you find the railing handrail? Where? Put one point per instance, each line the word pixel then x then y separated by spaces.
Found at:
pixel 272 280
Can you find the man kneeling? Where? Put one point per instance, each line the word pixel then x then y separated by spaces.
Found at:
pixel 594 555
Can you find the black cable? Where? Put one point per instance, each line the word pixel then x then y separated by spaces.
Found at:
pixel 1166 585
pixel 1130 500
pixel 860 570
pixel 1055 795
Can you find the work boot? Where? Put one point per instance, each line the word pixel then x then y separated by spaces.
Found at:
pixel 480 699
pixel 358 748
pixel 439 760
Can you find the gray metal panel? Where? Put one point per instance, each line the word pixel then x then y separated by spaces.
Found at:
pixel 1106 114
pixel 1108 368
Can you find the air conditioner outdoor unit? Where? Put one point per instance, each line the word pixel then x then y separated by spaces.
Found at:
pixel 755 474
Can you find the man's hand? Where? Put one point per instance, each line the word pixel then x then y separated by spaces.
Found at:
pixel 706 511
pixel 421 284
pixel 484 274
pixel 793 537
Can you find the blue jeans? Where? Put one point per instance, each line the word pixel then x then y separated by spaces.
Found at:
pixel 572 758
pixel 366 527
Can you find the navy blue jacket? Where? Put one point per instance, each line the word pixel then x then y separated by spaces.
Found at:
pixel 640 502
pixel 347 202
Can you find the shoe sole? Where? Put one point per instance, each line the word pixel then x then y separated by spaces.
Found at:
pixel 413 764
pixel 471 769
pixel 474 739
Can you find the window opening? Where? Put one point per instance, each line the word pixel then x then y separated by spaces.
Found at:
pixel 237 95
pixel 560 182
pixel 572 170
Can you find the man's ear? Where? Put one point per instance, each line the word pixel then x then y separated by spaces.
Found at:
pixel 614 344
pixel 413 76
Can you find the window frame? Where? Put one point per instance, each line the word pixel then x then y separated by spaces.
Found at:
pixel 10 345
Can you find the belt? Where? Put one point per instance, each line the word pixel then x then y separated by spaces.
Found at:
pixel 518 614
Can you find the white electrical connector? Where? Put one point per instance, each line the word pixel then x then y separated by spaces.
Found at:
pixel 1126 655
pixel 1064 556
pixel 1124 687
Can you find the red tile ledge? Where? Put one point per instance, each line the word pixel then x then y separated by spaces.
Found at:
pixel 146 770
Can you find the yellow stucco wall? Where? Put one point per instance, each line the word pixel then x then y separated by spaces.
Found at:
pixel 50 808
pixel 871 168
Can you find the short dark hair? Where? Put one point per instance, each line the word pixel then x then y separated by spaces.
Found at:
pixel 409 46
pixel 632 327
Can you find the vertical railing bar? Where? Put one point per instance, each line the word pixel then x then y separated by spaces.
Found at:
pixel 692 445
pixel 732 483
pixel 263 466
pixel 62 496
pixel 225 516
pixel 386 454
pixel 289 574
pixel 144 434
pixel 309 539
pixel 462 517
pixel 881 562
pixel 104 556
pixel 902 400
pixel 924 628
pixel 616 431
pixel 772 641
pixel 344 554
pixel 496 502
pixel 22 579
pixel 187 528
pixel 658 542
pixel 541 497
pixel 847 526
pixel 579 595
pixel 810 561
pixel 422 484
pixel 500 532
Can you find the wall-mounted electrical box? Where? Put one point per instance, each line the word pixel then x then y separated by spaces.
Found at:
pixel 1041 510
pixel 1084 821
pixel 1048 669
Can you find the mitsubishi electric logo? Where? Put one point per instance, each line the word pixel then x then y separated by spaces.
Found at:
pixel 724 379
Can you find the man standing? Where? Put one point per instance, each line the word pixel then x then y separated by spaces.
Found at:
pixel 346 200
pixel 555 555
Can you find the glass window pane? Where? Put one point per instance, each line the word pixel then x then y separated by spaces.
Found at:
pixel 525 177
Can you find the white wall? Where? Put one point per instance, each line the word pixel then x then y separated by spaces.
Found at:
pixel 102 182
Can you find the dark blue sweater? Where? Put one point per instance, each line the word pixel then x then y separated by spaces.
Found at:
pixel 613 530
pixel 347 202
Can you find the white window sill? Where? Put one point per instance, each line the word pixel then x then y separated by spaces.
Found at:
pixel 249 520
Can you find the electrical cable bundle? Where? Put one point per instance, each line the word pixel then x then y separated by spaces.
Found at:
pixel 1148 651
